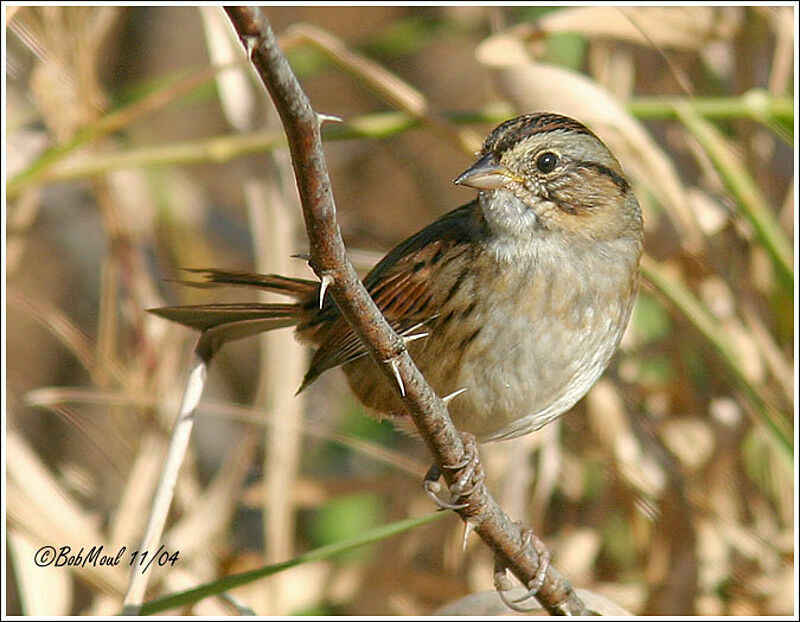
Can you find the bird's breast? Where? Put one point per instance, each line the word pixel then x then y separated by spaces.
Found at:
pixel 527 340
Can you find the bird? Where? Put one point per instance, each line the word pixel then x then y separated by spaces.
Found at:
pixel 513 303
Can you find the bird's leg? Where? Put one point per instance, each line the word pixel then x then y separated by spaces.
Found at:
pixel 470 478
pixel 502 583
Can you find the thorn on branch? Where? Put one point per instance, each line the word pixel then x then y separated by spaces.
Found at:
pixel 449 398
pixel 328 118
pixel 468 529
pixel 409 338
pixel 325 282
pixel 396 369
pixel 251 43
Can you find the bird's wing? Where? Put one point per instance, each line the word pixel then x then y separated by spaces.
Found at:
pixel 406 285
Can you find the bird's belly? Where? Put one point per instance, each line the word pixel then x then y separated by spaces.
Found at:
pixel 523 354
pixel 522 368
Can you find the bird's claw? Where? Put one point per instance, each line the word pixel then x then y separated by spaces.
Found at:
pixel 432 487
pixel 468 481
pixel 502 583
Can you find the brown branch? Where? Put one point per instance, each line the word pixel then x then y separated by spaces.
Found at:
pixel 329 259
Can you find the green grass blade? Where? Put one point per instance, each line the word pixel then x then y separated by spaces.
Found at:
pixel 752 203
pixel 219 149
pixel 200 592
pixel 757 105
pixel 704 321
pixel 143 105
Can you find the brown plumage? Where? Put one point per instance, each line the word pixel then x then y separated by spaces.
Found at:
pixel 520 296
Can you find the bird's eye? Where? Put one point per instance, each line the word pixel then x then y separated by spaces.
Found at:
pixel 547 162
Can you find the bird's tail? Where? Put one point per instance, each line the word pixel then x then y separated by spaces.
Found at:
pixel 223 322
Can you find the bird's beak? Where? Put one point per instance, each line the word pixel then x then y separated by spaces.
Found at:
pixel 485 174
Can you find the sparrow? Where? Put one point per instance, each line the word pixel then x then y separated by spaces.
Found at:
pixel 514 303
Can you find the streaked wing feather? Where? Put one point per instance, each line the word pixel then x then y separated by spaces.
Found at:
pixel 401 287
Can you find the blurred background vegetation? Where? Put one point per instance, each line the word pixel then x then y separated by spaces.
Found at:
pixel 138 142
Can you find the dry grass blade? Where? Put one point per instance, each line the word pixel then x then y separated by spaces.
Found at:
pixel 235 94
pixel 19 222
pixel 781 368
pixel 44 591
pixel 48 397
pixel 688 28
pixel 51 397
pixel 107 318
pixel 135 499
pixel 10 12
pixel 112 122
pixel 96 441
pixel 179 442
pixel 677 293
pixel 218 149
pixel 273 218
pixel 211 513
pixel 388 85
pixel 378 79
pixel 780 77
pixel 39 507
pixel 69 335
pixel 610 424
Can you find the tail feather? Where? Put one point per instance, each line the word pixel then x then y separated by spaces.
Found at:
pixel 205 317
pixel 214 338
pixel 220 323
pixel 298 289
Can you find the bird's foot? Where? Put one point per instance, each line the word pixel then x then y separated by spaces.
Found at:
pixel 471 476
pixel 502 583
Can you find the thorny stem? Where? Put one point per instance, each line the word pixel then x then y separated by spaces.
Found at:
pixel 328 257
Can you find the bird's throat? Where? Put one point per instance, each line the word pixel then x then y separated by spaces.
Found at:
pixel 507 216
